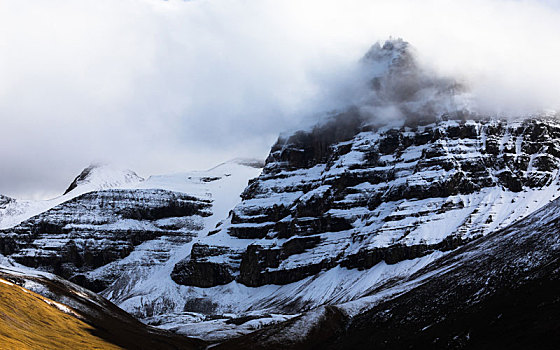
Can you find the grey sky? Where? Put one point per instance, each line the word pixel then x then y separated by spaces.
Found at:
pixel 167 86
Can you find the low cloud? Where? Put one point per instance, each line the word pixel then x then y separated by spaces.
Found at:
pixel 162 86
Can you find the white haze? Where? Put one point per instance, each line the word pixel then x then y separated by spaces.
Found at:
pixel 162 86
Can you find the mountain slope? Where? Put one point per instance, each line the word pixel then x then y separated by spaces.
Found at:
pixel 355 189
pixel 388 194
pixel 356 201
pixel 53 313
pixel 99 227
pixel 35 320
pixel 95 177
pixel 351 211
pixel 499 291
pixel 99 176
pixel 124 241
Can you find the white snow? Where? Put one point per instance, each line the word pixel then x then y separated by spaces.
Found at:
pixel 101 177
pixel 151 283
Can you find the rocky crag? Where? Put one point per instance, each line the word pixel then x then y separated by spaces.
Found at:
pixel 355 190
pixel 112 224
pixel 499 291
pixel 348 211
pixel 100 227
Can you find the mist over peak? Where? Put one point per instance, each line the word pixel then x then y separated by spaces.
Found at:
pixel 401 88
pixel 167 86
pixel 391 86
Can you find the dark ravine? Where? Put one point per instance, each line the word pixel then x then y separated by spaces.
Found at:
pixel 499 291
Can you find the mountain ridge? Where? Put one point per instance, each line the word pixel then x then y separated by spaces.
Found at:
pixel 497 291
pixel 99 176
pixel 362 209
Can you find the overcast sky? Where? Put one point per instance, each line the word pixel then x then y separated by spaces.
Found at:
pixel 161 86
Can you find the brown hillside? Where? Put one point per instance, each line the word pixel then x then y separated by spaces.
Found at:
pixel 30 321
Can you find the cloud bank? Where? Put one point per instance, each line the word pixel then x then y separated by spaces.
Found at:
pixel 163 86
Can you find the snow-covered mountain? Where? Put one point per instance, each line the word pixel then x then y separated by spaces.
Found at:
pixel 355 201
pixel 93 178
pixel 497 292
pixel 364 206
pixel 116 233
pixel 378 206
pixel 102 176
pixel 392 194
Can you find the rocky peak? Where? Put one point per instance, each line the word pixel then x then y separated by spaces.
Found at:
pixel 119 241
pixel 99 227
pixel 400 92
pixel 405 172
pixel 391 56
pixel 102 176
pixel 4 200
pixel 400 87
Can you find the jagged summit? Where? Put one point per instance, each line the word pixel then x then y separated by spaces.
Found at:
pixel 406 174
pixel 409 172
pixel 389 55
pixel 400 88
pixel 101 176
pixel 398 91
pixel 4 201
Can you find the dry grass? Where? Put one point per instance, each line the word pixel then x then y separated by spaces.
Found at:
pixel 27 321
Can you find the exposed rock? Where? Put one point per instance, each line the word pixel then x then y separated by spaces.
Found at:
pixel 122 241
pixel 97 228
pixel 371 187
pixel 387 194
pixel 4 201
pixel 202 273
pixel 499 291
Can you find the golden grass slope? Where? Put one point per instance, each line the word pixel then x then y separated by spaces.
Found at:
pixel 30 321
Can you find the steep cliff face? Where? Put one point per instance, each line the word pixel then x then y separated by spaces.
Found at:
pixel 499 291
pixel 353 195
pixel 99 227
pixel 105 235
pixel 122 238
pixel 363 200
pixel 95 177
pixel 406 172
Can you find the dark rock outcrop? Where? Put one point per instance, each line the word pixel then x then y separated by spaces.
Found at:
pixel 499 291
pixel 4 201
pixel 367 195
pixel 403 173
pixel 97 228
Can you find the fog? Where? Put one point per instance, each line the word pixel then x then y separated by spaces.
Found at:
pixel 162 86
